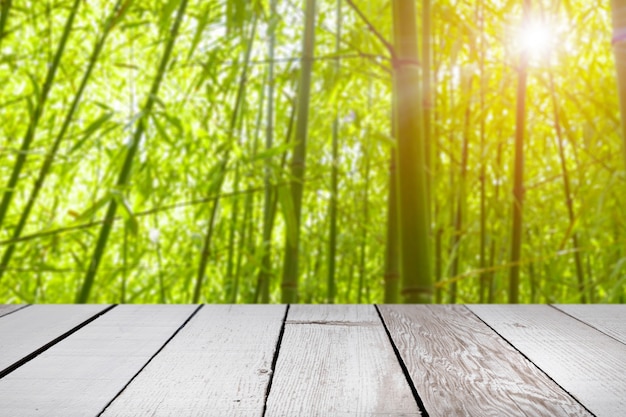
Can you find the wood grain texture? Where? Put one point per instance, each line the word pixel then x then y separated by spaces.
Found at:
pixel 339 313
pixel 460 367
pixel 586 363
pixel 610 319
pixel 33 327
pixel 81 374
pixel 9 308
pixel 337 361
pixel 218 365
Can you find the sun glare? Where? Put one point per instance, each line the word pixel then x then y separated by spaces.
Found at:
pixel 537 38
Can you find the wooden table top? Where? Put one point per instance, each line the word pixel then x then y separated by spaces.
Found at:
pixel 312 360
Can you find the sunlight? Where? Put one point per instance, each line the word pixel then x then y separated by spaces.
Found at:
pixel 543 39
pixel 536 38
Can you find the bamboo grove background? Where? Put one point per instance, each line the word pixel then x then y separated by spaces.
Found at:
pixel 231 151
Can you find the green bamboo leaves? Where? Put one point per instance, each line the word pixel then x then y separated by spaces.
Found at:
pixel 38 112
pixel 264 174
pixel 50 157
pixel 125 173
pixel 417 286
pixel 216 186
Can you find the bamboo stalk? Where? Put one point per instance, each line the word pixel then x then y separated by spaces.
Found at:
pixel 392 261
pixel 246 218
pixel 247 238
pixel 436 149
pixel 264 271
pixel 221 171
pixel 5 9
pixel 365 224
pixel 580 274
pixel 161 274
pixel 332 241
pixel 50 156
pixel 518 175
pixel 428 93
pixel 124 266
pixel 290 269
pixel 461 197
pixel 413 203
pixel 492 249
pixel 37 114
pixel 483 164
pixel 124 176
pixel 451 177
pixel 619 50
pixel 233 223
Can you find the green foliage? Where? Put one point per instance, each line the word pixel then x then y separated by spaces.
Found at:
pixel 74 106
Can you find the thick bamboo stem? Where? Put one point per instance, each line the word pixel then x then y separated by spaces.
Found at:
pixel 417 286
pixel 518 174
pixel 290 269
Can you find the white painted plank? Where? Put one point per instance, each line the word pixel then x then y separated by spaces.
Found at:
pixel 338 361
pixel 346 313
pixel 80 375
pixel 218 365
pixel 586 363
pixel 460 367
pixel 9 308
pixel 608 318
pixel 29 329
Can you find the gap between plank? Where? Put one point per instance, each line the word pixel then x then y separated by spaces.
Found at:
pixel 11 312
pixel 335 323
pixel 48 345
pixel 150 360
pixel 529 360
pixel 405 371
pixel 583 322
pixel 275 360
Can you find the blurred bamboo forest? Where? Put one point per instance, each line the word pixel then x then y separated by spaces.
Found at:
pixel 311 151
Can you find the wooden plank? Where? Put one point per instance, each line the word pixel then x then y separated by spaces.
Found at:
pixel 610 319
pixel 586 363
pixel 337 361
pixel 80 375
pixel 346 313
pixel 9 308
pixel 459 366
pixel 218 365
pixel 35 327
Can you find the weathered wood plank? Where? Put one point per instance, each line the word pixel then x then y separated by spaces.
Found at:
pixel 28 330
pixel 80 375
pixel 608 318
pixel 586 363
pixel 9 308
pixel 218 365
pixel 346 313
pixel 460 367
pixel 337 361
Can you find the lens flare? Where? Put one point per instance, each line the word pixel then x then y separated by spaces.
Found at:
pixel 536 38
